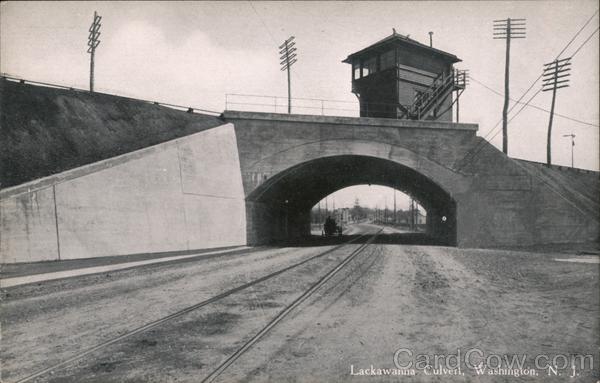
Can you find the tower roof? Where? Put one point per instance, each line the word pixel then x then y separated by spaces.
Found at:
pixel 396 39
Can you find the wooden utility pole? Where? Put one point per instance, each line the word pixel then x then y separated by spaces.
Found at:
pixel 572 146
pixel 507 29
pixel 288 58
pixel 549 138
pixel 506 91
pixel 385 210
pixel 555 77
pixel 412 214
pixel 93 43
pixel 394 206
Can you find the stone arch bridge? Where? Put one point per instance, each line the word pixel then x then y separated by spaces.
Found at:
pixel 473 193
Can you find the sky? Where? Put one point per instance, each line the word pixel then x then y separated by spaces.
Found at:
pixel 194 53
pixel 373 196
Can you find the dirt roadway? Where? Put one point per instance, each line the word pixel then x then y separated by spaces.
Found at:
pixel 433 300
pixel 429 300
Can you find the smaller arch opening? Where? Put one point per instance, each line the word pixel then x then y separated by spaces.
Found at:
pixel 362 209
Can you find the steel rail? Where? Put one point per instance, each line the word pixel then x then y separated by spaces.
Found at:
pixel 158 322
pixel 282 314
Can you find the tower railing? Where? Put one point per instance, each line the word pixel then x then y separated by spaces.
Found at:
pixel 440 88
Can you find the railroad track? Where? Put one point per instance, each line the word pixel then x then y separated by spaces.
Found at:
pixel 239 352
pixel 283 313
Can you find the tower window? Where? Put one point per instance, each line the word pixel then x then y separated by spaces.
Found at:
pixel 369 66
pixel 356 70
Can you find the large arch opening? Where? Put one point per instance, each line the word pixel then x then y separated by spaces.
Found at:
pixel 279 209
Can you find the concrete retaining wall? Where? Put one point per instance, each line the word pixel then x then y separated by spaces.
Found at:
pixel 184 194
pixel 524 203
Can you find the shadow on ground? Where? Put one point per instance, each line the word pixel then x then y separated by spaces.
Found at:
pixel 387 239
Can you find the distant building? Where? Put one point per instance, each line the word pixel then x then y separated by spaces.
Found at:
pixel 400 78
pixel 342 215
